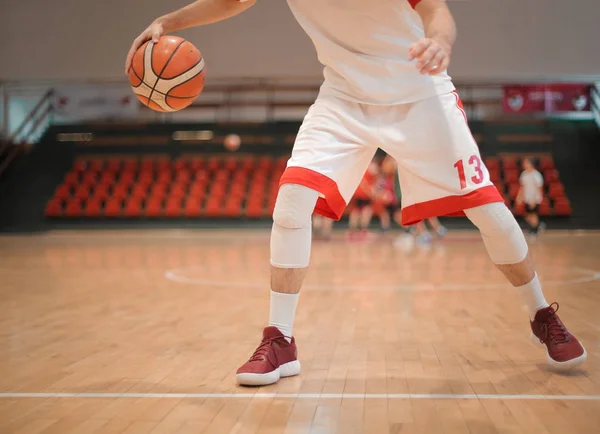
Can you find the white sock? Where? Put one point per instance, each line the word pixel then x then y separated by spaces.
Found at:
pixel 532 295
pixel 283 311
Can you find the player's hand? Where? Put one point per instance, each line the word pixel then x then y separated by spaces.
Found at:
pixel 432 57
pixel 154 31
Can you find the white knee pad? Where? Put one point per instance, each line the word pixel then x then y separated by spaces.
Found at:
pixel 291 234
pixel 500 231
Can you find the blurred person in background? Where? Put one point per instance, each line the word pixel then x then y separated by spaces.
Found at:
pixel 361 208
pixel 531 194
pixel 322 227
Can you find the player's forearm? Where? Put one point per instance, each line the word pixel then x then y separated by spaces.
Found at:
pixel 438 22
pixel 202 12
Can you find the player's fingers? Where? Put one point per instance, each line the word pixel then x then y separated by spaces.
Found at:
pixel 129 58
pixel 426 58
pixel 417 49
pixel 435 64
pixel 444 64
pixel 156 34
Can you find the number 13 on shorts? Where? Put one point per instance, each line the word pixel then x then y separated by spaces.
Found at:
pixel 475 163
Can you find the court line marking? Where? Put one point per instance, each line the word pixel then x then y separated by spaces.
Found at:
pixel 174 275
pixel 297 396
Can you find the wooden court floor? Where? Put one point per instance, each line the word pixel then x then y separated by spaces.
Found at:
pixel 141 332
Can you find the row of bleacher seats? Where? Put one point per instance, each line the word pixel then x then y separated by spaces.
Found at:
pixel 215 186
pixel 505 172
pixel 227 186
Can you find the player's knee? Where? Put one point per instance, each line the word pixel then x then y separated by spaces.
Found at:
pixel 492 218
pixel 294 206
pixel 501 233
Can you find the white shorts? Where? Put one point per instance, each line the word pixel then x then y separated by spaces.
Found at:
pixel 439 166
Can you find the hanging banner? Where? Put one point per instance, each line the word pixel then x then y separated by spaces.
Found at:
pixel 547 98
pixel 94 102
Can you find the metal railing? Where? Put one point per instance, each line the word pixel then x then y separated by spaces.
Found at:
pixel 595 95
pixel 37 118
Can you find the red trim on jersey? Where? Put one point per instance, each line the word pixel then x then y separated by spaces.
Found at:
pixel 460 106
pixel 450 205
pixel 332 205
pixel 414 3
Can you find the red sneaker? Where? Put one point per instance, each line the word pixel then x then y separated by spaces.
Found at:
pixel 274 358
pixel 562 348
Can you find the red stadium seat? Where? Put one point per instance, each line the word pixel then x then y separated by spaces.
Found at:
pixel 511 176
pixel 130 166
pixel 101 192
pixel 230 164
pixel 213 164
pixel 193 208
pixel 71 178
pixel 183 176
pixel 562 207
pixel 163 165
pixel 519 209
pixel 196 164
pixel 544 208
pixel 73 208
pixel 513 190
pixel 54 207
pixel 133 207
pixel 113 165
pixel 107 178
pixel 96 165
pixel 153 207
pixel 173 207
pixel 121 191
pixel 139 191
pixel 90 178
pixel 556 190
pixel 550 176
pixel 147 165
pixel 93 208
pixel 113 207
pixel 180 164
pixel 546 163
pixel 82 192
pixel 80 166
pixel 177 191
pixel 494 175
pixel 62 192
pixel 509 162
pixel 159 191
pixel 491 163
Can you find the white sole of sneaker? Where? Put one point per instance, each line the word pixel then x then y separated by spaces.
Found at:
pixel 286 370
pixel 560 366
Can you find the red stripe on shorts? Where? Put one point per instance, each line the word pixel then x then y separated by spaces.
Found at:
pixel 414 3
pixel 453 206
pixel 460 106
pixel 332 205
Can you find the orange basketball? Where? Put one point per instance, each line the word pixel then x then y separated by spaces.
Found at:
pixel 169 75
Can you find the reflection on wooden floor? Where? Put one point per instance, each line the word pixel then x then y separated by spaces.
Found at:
pixel 391 340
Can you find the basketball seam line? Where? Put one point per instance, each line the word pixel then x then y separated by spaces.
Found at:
pixel 163 70
pixel 182 83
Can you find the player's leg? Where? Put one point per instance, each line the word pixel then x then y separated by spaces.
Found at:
pixel 384 219
pixel 366 215
pixel 533 219
pixel 327 228
pixel 439 228
pixel 445 176
pixel 322 174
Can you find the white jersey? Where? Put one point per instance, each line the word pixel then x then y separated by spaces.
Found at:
pixel 363 46
pixel 531 182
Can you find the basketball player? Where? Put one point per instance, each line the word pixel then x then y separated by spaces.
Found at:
pixel 530 193
pixel 385 82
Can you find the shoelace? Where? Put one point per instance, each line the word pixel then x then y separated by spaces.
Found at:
pixel 263 349
pixel 553 329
